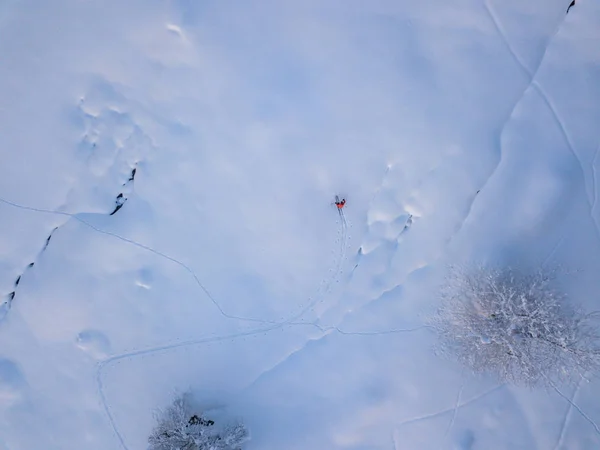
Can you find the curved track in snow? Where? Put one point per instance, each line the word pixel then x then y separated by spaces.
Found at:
pixel 324 288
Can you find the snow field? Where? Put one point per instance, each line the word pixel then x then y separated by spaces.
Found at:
pixel 457 131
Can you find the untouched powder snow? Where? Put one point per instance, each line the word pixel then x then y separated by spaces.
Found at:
pixel 166 217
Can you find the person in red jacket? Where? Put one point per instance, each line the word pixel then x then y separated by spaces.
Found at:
pixel 340 203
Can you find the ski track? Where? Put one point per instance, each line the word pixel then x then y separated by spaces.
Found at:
pixel 377 333
pixel 574 405
pixel 553 251
pixel 565 424
pixel 570 145
pixel 272 325
pixel 500 28
pixel 338 264
pixel 338 269
pixel 326 329
pixel 454 408
pixel 211 339
pixel 530 75
pixel 341 256
pixel 458 397
pixel 545 97
pixel 113 359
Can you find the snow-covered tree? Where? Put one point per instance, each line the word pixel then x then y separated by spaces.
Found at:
pixel 517 326
pixel 179 428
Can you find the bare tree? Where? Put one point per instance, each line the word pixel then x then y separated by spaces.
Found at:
pixel 178 428
pixel 517 326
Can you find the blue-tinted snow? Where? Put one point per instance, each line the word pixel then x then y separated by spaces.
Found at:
pixel 457 130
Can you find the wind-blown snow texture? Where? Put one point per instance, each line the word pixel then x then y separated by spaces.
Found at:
pixel 217 133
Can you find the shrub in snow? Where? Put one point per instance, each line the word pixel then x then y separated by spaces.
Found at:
pixel 179 428
pixel 514 325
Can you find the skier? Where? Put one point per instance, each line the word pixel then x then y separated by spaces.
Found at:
pixel 340 208
pixel 570 6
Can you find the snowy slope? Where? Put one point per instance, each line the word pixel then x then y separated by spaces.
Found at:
pixel 458 130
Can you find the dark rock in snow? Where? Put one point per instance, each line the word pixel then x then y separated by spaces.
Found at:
pixel 49 237
pixel 120 201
